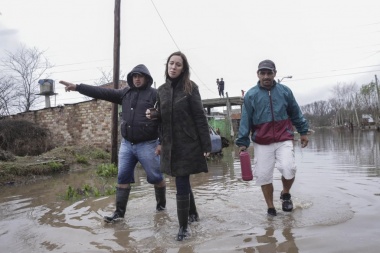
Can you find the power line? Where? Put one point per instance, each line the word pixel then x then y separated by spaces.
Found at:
pixel 171 36
pixel 347 74
pixel 335 70
pixel 163 22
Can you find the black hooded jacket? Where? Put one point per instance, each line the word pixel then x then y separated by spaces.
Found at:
pixel 135 127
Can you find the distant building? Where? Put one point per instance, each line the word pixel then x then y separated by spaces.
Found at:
pixel 367 119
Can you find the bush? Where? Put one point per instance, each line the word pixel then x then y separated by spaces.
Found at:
pixel 23 138
pixel 6 156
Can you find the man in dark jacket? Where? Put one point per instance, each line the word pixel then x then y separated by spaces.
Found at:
pixel 140 135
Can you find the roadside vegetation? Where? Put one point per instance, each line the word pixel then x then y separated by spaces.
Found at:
pixel 26 154
pixel 104 172
pixel 27 169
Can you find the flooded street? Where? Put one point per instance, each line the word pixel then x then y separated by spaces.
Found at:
pixel 336 196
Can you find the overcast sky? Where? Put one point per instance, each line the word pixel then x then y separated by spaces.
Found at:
pixel 319 43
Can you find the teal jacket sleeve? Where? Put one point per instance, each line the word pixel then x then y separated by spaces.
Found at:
pixel 245 124
pixel 296 116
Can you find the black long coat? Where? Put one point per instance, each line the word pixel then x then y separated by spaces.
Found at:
pixel 184 130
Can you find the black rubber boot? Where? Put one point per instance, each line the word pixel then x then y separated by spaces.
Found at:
pixel 160 197
pixel 122 195
pixel 287 203
pixel 193 214
pixel 183 206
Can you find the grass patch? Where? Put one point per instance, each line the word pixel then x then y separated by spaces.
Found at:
pixel 81 159
pixel 100 154
pixel 107 170
pixel 86 191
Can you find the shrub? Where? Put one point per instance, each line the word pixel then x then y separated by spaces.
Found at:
pixel 22 137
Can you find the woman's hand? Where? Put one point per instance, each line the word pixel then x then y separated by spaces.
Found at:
pixel 69 86
pixel 151 113
pixel 158 150
pixel 206 154
pixel 147 113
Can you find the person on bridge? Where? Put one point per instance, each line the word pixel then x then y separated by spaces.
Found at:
pixel 221 88
pixel 270 126
pixel 185 138
pixel 139 135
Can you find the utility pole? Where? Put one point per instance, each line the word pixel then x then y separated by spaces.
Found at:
pixel 378 103
pixel 116 73
pixel 356 113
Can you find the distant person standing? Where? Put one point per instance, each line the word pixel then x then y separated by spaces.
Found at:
pixel 269 113
pixel 217 84
pixel 221 87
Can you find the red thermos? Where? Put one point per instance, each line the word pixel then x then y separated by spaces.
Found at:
pixel 245 163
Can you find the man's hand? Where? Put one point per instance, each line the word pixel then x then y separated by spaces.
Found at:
pixel 69 86
pixel 242 149
pixel 304 141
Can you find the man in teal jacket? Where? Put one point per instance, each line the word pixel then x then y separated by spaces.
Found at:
pixel 269 113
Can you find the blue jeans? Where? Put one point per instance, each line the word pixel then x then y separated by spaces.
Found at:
pixel 143 152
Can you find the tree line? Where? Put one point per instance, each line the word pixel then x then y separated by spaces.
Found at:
pixel 346 107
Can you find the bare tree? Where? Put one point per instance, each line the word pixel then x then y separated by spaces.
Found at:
pixel 368 100
pixel 8 98
pixel 343 102
pixel 26 67
pixel 107 77
pixel 318 113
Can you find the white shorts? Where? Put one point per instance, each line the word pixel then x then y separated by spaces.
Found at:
pixel 278 155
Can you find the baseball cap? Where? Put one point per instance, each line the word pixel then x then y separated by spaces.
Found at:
pixel 137 73
pixel 267 64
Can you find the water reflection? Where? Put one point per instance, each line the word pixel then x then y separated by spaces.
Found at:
pixel 350 148
pixel 338 175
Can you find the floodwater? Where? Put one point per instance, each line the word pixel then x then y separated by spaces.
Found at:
pixel 336 196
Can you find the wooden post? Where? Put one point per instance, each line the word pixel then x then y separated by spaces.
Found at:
pixel 116 73
pixel 228 104
pixel 378 103
pixel 356 112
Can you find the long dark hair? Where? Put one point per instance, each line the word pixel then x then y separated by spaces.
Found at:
pixel 185 75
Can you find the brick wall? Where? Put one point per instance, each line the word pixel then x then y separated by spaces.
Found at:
pixel 84 123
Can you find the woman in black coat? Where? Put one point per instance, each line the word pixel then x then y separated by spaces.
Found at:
pixel 184 135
